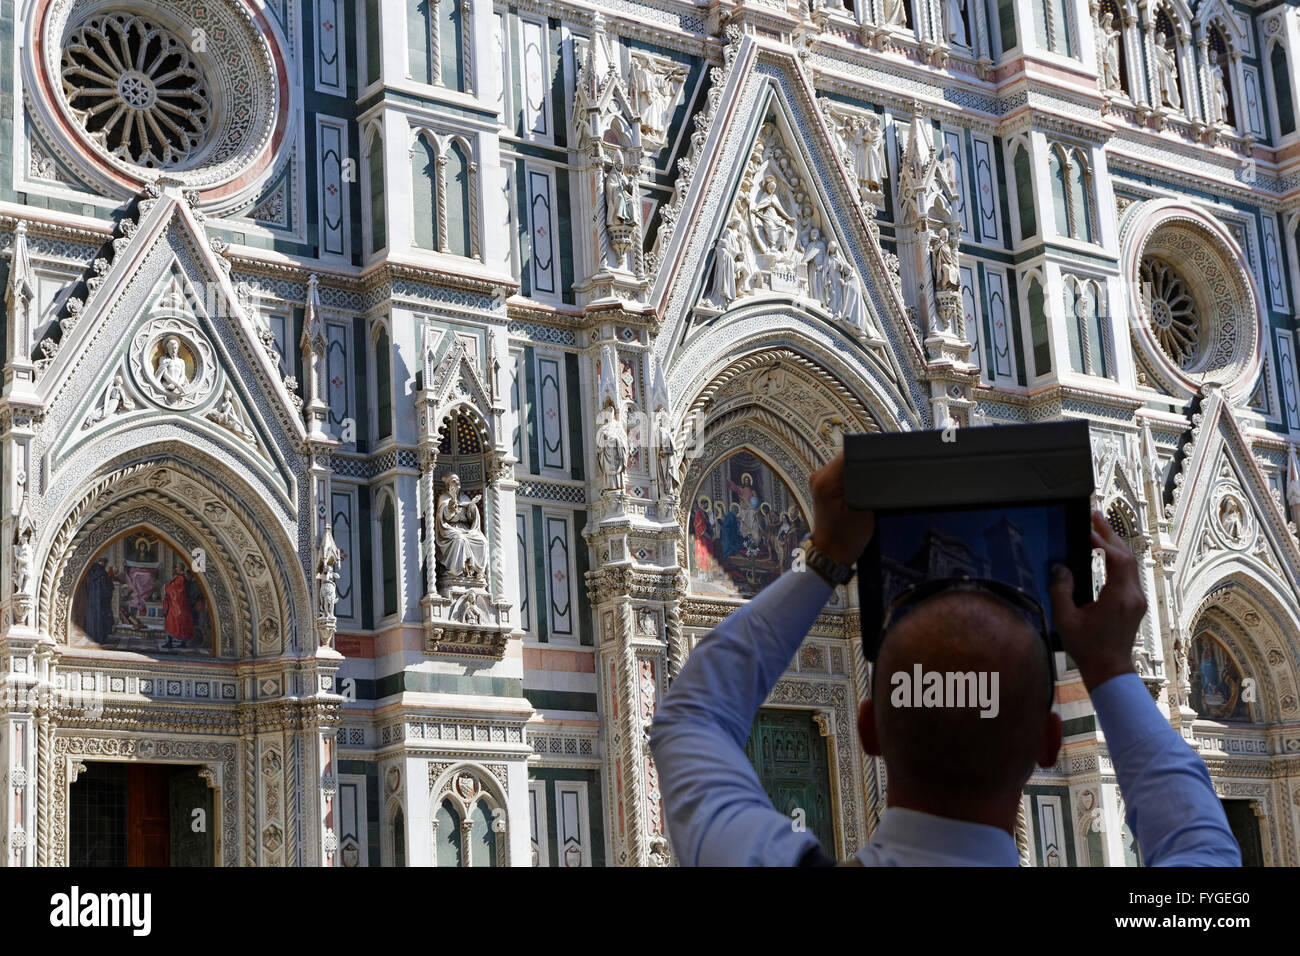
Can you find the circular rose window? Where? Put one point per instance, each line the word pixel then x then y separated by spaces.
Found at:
pixel 1196 318
pixel 137 90
pixel 1171 310
pixel 193 89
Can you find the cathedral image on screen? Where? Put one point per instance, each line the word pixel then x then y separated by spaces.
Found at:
pixel 396 391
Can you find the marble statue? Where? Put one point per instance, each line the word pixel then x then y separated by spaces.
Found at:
pixel 1217 107
pixel 893 11
pixel 458 535
pixel 227 415
pixel 947 267
pixel 24 557
pixel 732 273
pixel 814 257
pixel 665 455
pixel 954 24
pixel 115 399
pixel 846 293
pixel 170 371
pixel 620 197
pixel 1165 66
pixel 611 450
pixel 1108 39
pixel 774 224
pixel 328 576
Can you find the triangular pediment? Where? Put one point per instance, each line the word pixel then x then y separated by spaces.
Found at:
pixel 453 379
pixel 1223 503
pixel 161 347
pixel 765 172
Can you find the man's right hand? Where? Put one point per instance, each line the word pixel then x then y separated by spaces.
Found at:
pixel 1100 636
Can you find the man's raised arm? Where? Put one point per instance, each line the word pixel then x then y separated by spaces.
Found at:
pixel 718 813
pixel 1171 805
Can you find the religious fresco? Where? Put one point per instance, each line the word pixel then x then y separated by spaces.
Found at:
pixel 1215 681
pixel 744 528
pixel 140 594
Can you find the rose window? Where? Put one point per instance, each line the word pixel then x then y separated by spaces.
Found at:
pixel 1171 311
pixel 137 91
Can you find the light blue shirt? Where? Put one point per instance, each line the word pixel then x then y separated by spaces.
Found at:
pixel 719 815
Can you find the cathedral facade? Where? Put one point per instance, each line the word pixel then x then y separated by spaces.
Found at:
pixel 395 390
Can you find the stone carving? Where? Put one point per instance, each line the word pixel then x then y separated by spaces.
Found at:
pixel 946 265
pixel 665 439
pixel 846 300
pixel 954 23
pixel 170 361
pixel 733 271
pixel 1217 105
pixel 620 197
pixel 24 551
pixel 229 416
pixel 170 371
pixel 1231 519
pixel 893 11
pixel 1108 40
pixel 611 450
pixel 775 241
pixel 327 576
pixel 461 544
pixel 861 139
pixel 653 85
pixel 115 400
pixel 1165 69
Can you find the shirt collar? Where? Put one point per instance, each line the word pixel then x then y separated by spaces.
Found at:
pixel 960 840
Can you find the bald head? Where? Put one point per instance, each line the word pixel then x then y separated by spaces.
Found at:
pixel 990 662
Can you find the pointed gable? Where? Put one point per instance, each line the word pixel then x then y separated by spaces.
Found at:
pixel 1222 499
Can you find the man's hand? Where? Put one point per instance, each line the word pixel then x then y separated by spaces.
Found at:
pixel 1099 636
pixel 839 531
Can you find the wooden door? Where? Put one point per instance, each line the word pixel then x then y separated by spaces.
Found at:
pixel 148 826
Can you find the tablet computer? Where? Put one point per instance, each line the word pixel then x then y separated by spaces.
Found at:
pixel 1004 502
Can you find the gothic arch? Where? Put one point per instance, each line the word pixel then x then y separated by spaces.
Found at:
pixel 254 570
pixel 467 785
pixel 1261 628
pixel 863 387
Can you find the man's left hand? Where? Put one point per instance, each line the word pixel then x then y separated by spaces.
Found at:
pixel 839 531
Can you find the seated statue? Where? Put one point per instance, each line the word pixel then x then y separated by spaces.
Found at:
pixel 461 544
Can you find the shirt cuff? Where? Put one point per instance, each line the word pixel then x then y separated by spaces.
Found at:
pixel 1126 712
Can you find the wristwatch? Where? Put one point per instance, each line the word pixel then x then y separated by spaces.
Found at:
pixel 830 570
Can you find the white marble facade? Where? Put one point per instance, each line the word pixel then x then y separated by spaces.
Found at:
pixel 627 273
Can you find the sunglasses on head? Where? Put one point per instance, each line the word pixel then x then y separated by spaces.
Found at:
pixel 1018 600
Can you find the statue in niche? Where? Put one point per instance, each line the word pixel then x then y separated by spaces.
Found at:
pixel 620 197
pixel 170 371
pixel 1108 38
pixel 1217 107
pixel 458 536
pixel 954 24
pixel 1166 71
pixel 115 399
pixel 666 454
pixel 328 576
pixel 611 449
pixel 893 11
pixel 815 258
pixel 775 225
pixel 944 261
pixel 1232 520
pixel 24 555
